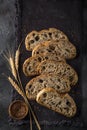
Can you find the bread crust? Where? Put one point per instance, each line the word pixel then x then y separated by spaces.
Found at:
pixel 33 40
pixel 60 84
pixel 61 96
pixel 30 65
pixel 27 66
pixel 61 68
pixel 62 48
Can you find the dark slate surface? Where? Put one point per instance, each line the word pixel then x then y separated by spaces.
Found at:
pixel 7 35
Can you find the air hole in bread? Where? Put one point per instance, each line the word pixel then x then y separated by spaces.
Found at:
pixel 43 68
pixel 58 86
pixel 40 80
pixel 68 68
pixel 31 41
pixel 52 103
pixel 29 68
pixel 68 103
pixel 59 103
pixel 45 35
pixel 44 95
pixel 71 78
pixel 37 52
pixel 39 59
pixel 67 50
pixel 51 47
pixel 49 50
pixel 57 40
pixel 33 34
pixel 58 80
pixel 56 35
pixel 50 34
pixel 37 38
pixel 31 90
pixel 61 109
pixel 67 109
pixel 30 86
pixel 46 57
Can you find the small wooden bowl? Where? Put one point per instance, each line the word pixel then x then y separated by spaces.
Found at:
pixel 18 109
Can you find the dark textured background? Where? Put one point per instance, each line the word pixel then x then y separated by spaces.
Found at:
pixel 52 14
pixel 7 35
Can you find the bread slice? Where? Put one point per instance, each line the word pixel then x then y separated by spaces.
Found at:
pixel 30 65
pixel 34 38
pixel 61 68
pixel 62 48
pixel 60 84
pixel 63 104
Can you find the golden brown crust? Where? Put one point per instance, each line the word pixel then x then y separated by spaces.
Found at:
pixel 44 35
pixel 29 35
pixel 71 109
pixel 28 68
pixel 60 84
pixel 30 65
pixel 61 68
pixel 62 48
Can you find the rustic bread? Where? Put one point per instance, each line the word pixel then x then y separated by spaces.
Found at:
pixel 30 65
pixel 62 48
pixel 61 68
pixel 60 84
pixel 34 38
pixel 63 104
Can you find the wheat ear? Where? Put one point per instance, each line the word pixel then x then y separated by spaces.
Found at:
pixel 17 88
pixel 17 55
pixel 16 63
pixel 12 65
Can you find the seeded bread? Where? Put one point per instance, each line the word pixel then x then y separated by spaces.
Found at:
pixel 34 38
pixel 63 104
pixel 62 48
pixel 30 65
pixel 60 84
pixel 61 68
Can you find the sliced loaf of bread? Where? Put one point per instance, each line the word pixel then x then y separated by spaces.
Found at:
pixel 62 48
pixel 61 68
pixel 60 84
pixel 30 65
pixel 34 38
pixel 63 104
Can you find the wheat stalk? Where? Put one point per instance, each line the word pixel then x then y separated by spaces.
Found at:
pixel 30 120
pixel 16 87
pixel 13 61
pixel 17 57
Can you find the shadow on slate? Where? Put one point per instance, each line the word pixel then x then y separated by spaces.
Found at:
pixel 66 16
